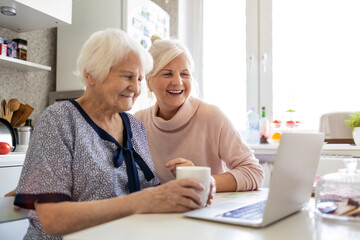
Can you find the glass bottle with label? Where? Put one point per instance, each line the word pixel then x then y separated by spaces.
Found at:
pixel 252 127
pixel 264 127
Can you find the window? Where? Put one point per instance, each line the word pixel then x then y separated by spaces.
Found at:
pixel 315 58
pixel 224 57
pixel 300 55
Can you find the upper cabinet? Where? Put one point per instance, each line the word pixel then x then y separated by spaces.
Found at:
pixel 35 14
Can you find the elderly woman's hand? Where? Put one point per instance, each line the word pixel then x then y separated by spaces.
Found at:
pixel 212 191
pixel 178 162
pixel 11 194
pixel 174 196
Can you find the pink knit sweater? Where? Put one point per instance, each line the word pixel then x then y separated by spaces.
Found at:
pixel 200 132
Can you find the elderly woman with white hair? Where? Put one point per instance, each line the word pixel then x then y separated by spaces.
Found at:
pixel 88 161
pixel 184 130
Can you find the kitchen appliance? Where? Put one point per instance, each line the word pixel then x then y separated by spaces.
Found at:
pixel 23 135
pixel 7 134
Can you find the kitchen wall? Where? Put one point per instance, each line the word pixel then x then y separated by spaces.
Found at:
pixel 31 87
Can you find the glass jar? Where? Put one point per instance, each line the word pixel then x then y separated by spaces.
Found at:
pixel 21 48
pixel 338 194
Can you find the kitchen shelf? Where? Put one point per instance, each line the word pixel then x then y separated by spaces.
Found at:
pixel 22 65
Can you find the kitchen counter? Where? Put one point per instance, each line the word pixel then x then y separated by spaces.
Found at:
pixel 12 159
pixel 267 152
pixel 331 159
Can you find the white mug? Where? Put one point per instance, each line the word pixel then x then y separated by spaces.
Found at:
pixel 199 174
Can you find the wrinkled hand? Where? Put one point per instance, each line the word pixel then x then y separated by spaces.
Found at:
pixel 212 191
pixel 11 194
pixel 178 162
pixel 174 196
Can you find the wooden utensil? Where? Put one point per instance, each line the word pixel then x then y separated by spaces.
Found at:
pixel 13 105
pixel 28 110
pixel 5 111
pixel 17 115
pixel 3 108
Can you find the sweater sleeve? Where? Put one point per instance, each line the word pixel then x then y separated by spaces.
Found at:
pixel 238 157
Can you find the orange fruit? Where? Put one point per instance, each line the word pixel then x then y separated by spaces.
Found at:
pixel 276 135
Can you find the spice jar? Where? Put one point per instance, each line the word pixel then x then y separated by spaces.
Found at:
pixel 21 48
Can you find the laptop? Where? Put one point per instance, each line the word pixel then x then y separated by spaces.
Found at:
pixel 291 184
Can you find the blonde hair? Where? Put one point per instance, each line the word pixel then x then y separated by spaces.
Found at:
pixel 105 49
pixel 164 51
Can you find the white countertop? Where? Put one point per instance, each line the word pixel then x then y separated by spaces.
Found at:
pixel 328 149
pixel 300 226
pixel 12 159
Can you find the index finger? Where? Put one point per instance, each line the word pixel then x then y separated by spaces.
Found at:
pixel 175 162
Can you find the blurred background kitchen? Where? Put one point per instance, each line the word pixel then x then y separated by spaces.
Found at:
pixel 297 59
pixel 284 55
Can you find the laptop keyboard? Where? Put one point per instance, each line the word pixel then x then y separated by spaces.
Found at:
pixel 252 211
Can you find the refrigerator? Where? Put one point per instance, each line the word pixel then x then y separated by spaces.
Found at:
pixel 139 18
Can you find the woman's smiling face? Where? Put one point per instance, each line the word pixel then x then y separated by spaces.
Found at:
pixel 122 86
pixel 171 86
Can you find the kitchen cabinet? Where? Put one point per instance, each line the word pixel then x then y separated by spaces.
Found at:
pixel 36 14
pixel 10 170
pixel 21 65
pixel 88 17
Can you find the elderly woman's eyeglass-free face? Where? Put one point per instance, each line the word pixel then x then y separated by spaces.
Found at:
pixel 122 86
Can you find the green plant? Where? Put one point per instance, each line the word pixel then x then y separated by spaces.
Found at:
pixel 354 120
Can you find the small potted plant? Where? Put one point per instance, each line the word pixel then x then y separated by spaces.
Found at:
pixel 354 123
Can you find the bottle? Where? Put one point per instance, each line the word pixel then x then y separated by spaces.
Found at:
pixel 264 127
pixel 252 127
pixel 29 124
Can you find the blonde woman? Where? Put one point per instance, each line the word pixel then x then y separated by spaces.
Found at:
pixel 183 130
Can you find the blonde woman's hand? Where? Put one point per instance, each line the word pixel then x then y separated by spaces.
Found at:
pixel 178 162
pixel 212 191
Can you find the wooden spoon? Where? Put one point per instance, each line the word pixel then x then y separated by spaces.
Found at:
pixel 17 115
pixel 13 106
pixel 3 108
pixel 5 111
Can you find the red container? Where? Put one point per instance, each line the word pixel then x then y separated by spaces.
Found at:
pixel 3 49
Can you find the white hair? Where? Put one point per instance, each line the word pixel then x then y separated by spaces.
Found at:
pixel 105 49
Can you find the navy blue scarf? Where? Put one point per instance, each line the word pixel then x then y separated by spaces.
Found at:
pixel 130 156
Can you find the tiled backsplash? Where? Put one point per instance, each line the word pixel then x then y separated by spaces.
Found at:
pixel 31 87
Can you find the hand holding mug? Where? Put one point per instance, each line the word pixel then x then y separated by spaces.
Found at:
pixel 201 175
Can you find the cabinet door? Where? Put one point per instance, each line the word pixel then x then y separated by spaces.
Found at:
pixel 60 10
pixel 35 15
pixel 9 178
pixel 89 16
